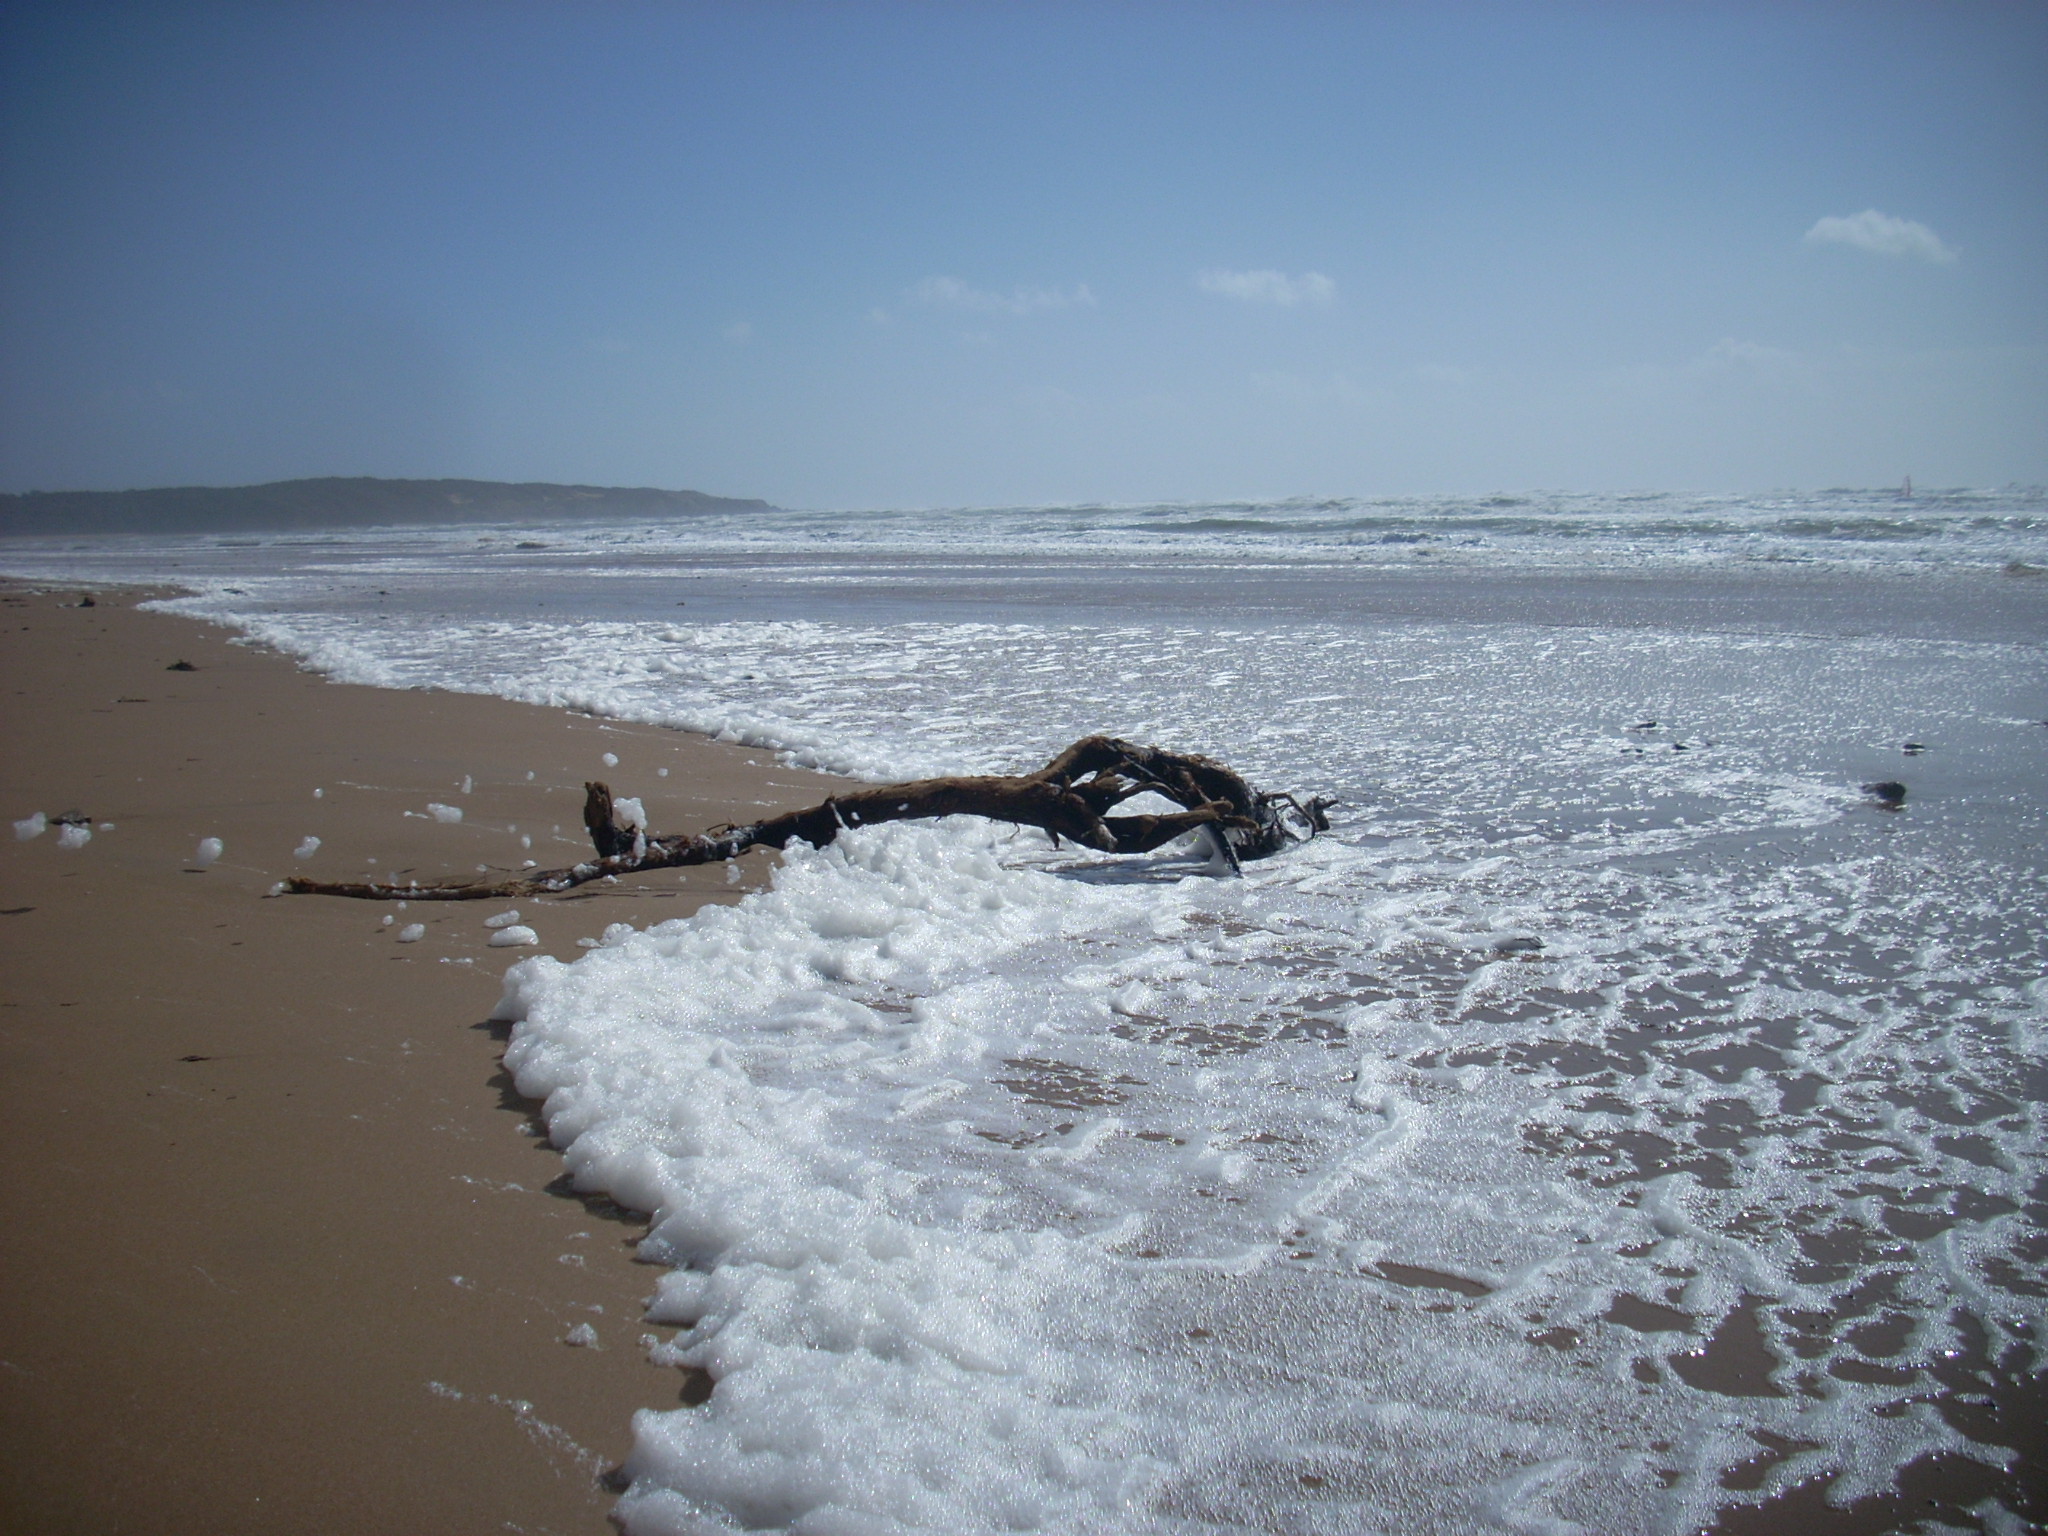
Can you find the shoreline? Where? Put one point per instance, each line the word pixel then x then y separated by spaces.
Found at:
pixel 287 1252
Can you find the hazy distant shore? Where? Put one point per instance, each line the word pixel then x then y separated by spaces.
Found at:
pixel 359 501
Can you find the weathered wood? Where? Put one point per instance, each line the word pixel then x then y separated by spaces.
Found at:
pixel 1070 797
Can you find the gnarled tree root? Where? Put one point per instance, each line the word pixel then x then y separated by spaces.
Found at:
pixel 1070 797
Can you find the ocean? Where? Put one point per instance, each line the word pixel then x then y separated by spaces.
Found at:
pixel 1620 1118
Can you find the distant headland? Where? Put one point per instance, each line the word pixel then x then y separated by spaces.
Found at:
pixel 341 502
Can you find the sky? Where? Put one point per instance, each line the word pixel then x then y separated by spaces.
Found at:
pixel 870 254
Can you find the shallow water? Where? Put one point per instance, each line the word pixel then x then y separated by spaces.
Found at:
pixel 1617 1118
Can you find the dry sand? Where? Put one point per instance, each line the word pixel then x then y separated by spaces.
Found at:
pixel 283 1249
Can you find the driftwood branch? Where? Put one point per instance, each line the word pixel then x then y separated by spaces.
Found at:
pixel 1070 797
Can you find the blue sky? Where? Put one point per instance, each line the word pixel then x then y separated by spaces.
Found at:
pixel 873 254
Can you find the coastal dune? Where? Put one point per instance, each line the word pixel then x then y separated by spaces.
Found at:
pixel 285 1250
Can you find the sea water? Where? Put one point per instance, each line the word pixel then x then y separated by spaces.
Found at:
pixel 1620 1116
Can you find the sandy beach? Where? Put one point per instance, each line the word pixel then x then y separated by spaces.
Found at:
pixel 285 1251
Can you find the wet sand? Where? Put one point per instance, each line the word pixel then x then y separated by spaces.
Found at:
pixel 284 1250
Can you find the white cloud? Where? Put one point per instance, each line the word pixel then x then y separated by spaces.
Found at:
pixel 1730 353
pixel 952 293
pixel 1882 235
pixel 1267 287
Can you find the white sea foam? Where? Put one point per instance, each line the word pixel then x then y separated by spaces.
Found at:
pixel 1348 1091
pixel 991 1178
